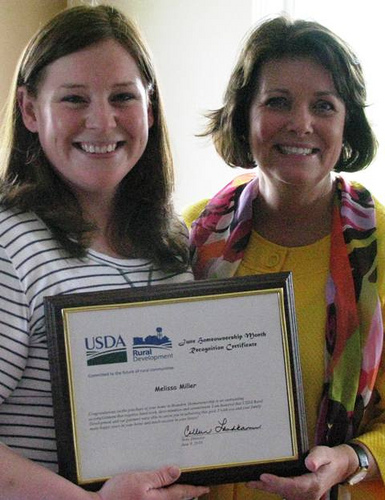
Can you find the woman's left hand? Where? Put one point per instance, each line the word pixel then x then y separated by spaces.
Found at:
pixel 326 466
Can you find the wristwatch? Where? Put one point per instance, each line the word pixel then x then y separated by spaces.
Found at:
pixel 363 465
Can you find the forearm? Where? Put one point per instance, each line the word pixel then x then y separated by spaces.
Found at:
pixel 21 478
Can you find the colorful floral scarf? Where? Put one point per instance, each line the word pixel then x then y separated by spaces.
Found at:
pixel 354 330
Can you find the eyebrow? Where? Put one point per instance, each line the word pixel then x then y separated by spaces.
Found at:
pixel 71 86
pixel 320 93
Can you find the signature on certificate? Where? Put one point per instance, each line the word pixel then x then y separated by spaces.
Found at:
pixel 222 427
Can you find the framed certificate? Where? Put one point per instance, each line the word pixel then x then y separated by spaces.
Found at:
pixel 204 375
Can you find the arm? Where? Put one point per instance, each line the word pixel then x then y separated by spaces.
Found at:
pixel 22 478
pixel 329 466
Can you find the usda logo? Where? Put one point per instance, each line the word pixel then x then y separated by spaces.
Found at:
pixel 105 350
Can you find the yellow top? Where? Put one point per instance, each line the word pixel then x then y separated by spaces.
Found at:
pixel 310 268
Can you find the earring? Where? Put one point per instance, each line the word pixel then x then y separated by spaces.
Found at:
pixel 348 156
pixel 251 163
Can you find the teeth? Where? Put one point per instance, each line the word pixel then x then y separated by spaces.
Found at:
pixel 93 148
pixel 291 150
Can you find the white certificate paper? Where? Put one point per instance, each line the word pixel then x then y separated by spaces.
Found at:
pixel 203 382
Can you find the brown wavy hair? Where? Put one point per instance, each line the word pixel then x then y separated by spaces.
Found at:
pixel 143 223
pixel 279 38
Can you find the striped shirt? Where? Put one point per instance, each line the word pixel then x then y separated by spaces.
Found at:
pixel 32 266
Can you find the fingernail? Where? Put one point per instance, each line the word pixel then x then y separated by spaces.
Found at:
pixel 174 472
pixel 266 478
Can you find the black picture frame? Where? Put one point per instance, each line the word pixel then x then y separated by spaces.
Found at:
pixel 59 307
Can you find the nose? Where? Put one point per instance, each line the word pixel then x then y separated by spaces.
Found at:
pixel 301 120
pixel 101 116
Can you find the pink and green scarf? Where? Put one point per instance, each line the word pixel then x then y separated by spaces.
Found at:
pixel 354 330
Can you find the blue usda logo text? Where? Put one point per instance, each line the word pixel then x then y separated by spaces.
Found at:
pixel 105 350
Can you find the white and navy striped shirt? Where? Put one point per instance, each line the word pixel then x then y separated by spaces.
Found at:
pixel 32 266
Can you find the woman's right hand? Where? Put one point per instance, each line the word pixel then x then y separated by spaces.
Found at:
pixel 153 485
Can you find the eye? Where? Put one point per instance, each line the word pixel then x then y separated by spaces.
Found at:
pixel 278 102
pixel 324 107
pixel 123 97
pixel 74 99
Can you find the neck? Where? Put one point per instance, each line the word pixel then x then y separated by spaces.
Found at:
pixel 99 212
pixel 293 216
pixel 100 243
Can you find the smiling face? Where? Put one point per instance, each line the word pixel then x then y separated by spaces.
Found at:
pixel 296 123
pixel 92 116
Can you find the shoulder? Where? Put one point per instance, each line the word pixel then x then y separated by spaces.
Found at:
pixel 11 215
pixel 193 211
pixel 15 222
pixel 24 238
pixel 380 213
pixel 379 210
pixel 380 232
pixel 380 227
pixel 221 199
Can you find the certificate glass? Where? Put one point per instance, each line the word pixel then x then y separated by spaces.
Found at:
pixel 204 375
